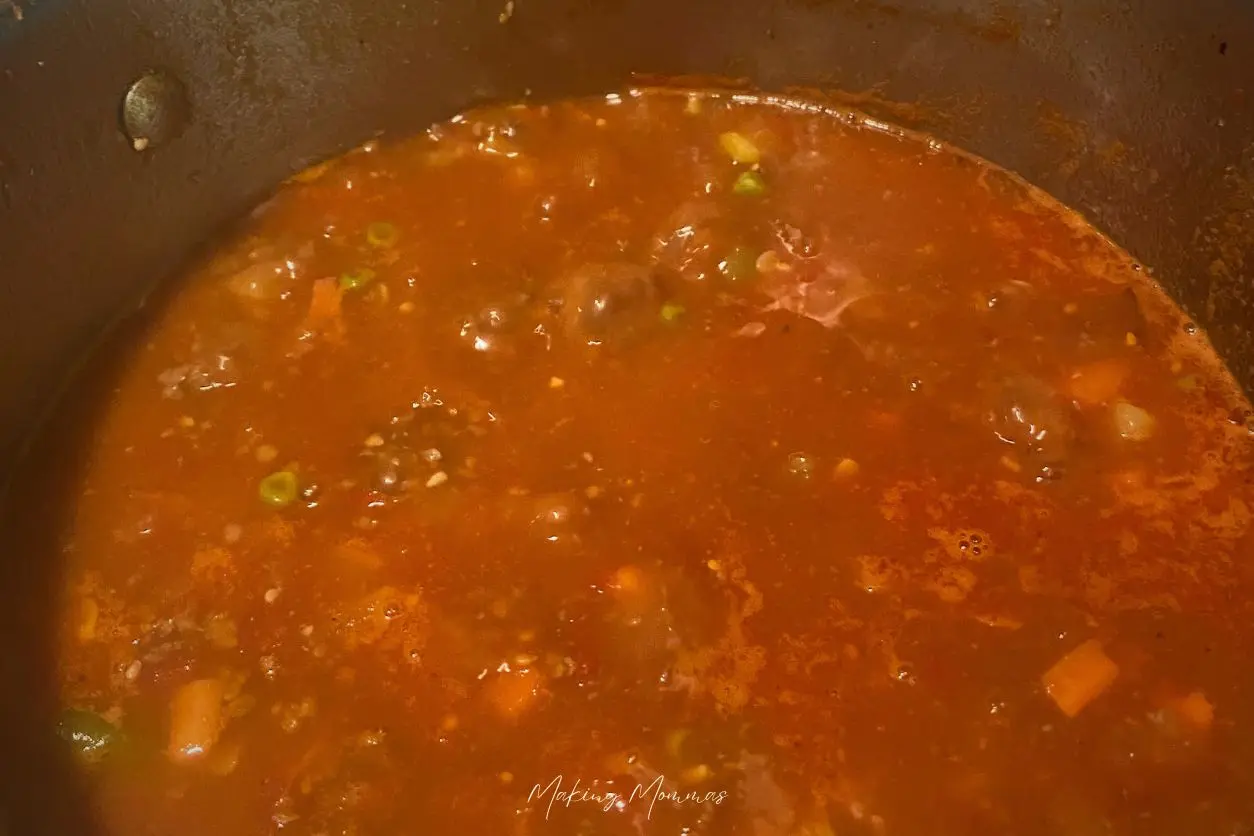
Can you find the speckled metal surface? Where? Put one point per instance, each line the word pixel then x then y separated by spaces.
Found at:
pixel 1138 114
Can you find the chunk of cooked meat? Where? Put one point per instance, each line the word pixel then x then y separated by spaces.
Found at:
pixel 213 360
pixel 818 292
pixel 425 444
pixel 603 301
pixel 1030 414
pixel 1107 317
pixel 686 243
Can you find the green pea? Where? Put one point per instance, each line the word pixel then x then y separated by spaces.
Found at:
pixel 279 488
pixel 356 279
pixel 750 184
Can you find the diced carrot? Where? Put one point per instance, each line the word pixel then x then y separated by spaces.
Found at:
pixel 1097 383
pixel 513 693
pixel 883 420
pixel 90 617
pixel 627 580
pixel 1195 710
pixel 325 307
pixel 195 719
pixel 1080 677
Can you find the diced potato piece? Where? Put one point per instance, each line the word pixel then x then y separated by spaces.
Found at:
pixel 195 719
pixel 511 694
pixel 1080 677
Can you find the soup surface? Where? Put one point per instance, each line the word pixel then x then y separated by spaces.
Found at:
pixel 665 463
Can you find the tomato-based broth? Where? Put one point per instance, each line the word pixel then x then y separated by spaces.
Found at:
pixel 665 462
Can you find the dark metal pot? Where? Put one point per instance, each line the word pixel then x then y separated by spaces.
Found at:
pixel 1139 114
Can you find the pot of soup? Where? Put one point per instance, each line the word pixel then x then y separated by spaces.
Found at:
pixel 532 417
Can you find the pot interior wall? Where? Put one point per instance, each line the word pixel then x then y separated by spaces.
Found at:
pixel 1138 116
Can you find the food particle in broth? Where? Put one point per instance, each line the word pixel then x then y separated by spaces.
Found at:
pixel 670 463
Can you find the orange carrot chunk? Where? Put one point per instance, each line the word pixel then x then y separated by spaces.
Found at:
pixel 195 719
pixel 325 307
pixel 1097 383
pixel 1195 711
pixel 1080 677
pixel 513 693
pixel 627 581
